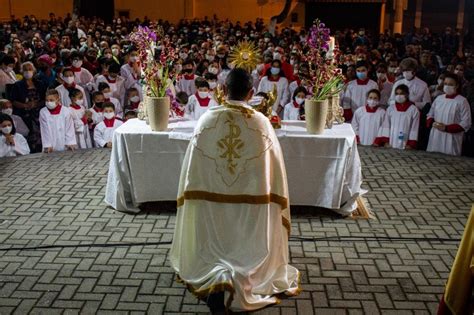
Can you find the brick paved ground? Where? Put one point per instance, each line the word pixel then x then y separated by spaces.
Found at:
pixel 57 199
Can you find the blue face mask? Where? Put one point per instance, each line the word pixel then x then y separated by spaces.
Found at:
pixel 275 71
pixel 361 75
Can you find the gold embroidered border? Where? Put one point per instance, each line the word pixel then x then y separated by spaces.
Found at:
pixel 215 288
pixel 224 198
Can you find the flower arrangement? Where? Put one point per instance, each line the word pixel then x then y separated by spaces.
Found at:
pixel 322 57
pixel 156 76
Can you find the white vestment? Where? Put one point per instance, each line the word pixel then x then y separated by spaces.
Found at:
pixel 84 78
pixel 291 112
pixel 131 79
pixel 83 137
pixel 400 126
pixel 419 91
pixel 64 95
pixel 367 124
pixel 20 148
pixel 267 86
pixel 118 106
pixel 355 94
pixel 449 111
pixel 187 86
pixel 385 92
pixel 103 134
pixel 117 87
pixel 194 110
pixel 233 218
pixel 57 131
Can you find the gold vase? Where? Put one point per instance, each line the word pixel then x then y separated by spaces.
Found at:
pixel 157 111
pixel 315 115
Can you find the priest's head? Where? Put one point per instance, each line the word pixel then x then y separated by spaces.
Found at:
pixel 238 85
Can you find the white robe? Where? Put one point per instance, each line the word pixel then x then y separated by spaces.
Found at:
pixel 367 125
pixel 232 223
pixel 57 131
pixel 83 137
pixel 118 106
pixel 126 72
pixel 385 92
pixel 187 86
pixel 20 148
pixel 103 134
pixel 84 78
pixel 419 91
pixel 64 95
pixel 117 88
pixel 20 125
pixel 194 110
pixel 97 117
pixel 282 90
pixel 222 76
pixel 449 111
pixel 291 112
pixel 397 122
pixel 355 94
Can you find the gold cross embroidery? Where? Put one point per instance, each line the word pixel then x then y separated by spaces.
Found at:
pixel 231 143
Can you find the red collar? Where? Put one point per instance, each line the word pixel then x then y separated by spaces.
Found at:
pixel 56 110
pixel 188 76
pixel 272 79
pixel 134 105
pixel 110 81
pixel 204 102
pixel 75 106
pixel 99 110
pixel 76 69
pixel 107 99
pixel 296 105
pixel 362 82
pixel 371 109
pixel 403 107
pixel 68 86
pixel 109 123
pixel 451 96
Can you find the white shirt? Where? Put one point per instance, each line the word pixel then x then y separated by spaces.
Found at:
pixel 83 137
pixel 57 131
pixel 64 95
pixel 97 117
pixel 282 90
pixel 103 134
pixel 449 111
pixel 186 85
pixel 291 112
pixel 419 91
pixel 117 88
pixel 400 126
pixel 367 125
pixel 194 110
pixel 355 94
pixel 20 147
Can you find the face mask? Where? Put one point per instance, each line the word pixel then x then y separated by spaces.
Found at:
pixel 7 111
pixel 69 80
pixel 77 63
pixel 51 105
pixel 372 103
pixel 408 75
pixel 7 130
pixel 99 104
pixel 212 85
pixel 221 55
pixel 266 39
pixel 108 56
pixel 277 56
pixel 179 67
pixel 275 70
pixel 449 89
pixel 80 102
pixel 183 56
pixel 28 74
pixel 108 95
pixel 187 70
pixel 440 81
pixel 400 99
pixel 133 59
pixel 381 76
pixel 292 62
pixel 210 57
pixel 203 94
pixel 299 100
pixel 361 75
pixel 109 115
pixel 459 72
pixel 392 69
pixel 135 98
pixel 115 52
pixel 213 70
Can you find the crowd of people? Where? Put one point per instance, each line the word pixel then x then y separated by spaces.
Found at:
pixel 69 83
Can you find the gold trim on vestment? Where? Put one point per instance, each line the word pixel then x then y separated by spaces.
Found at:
pixel 224 198
pixel 286 223
pixel 215 288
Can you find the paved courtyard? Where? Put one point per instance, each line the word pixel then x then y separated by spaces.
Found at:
pixel 58 199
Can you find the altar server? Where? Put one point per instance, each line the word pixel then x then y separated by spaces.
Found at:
pixel 131 71
pixel 187 80
pixel 82 76
pixel 104 130
pixel 201 101
pixel 57 125
pixel 450 118
pixel 400 127
pixel 6 107
pixel 276 76
pixel 104 88
pixel 96 112
pixel 230 243
pixel 367 120
pixel 294 109
pixel 355 94
pixel 83 137
pixel 133 99
pixel 114 80
pixel 69 84
pixel 11 142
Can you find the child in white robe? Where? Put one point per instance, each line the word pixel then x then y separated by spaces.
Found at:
pixel 400 127
pixel 69 84
pixel 275 76
pixel 355 94
pixel 200 102
pixel 95 115
pixel 79 116
pixel 57 125
pixel 104 130
pixel 367 120
pixel 115 82
pixel 450 118
pixel 11 142
pixel 294 108
pixel 131 72
pixel 82 76
pixel 187 81
pixel 385 86
pixel 6 107
pixel 105 89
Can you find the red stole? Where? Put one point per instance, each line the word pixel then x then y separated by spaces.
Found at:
pixel 296 105
pixel 403 107
pixel 109 123
pixel 134 105
pixel 99 110
pixel 451 96
pixel 75 69
pixel 188 76
pixel 56 110
pixel 110 81
pixel 204 102
pixel 371 109
pixel 273 79
pixel 362 82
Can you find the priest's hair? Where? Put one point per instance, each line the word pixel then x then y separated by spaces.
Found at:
pixel 238 84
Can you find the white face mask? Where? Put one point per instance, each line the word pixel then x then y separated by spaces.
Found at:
pixel 108 56
pixel 135 98
pixel 7 111
pixel 28 74
pixel 408 75
pixel 400 99
pixel 51 105
pixel 212 85
pixel 109 115
pixel 372 103
pixel 80 102
pixel 213 70
pixel 392 69
pixel 440 81
pixel 7 130
pixel 449 89
pixel 77 63
pixel 381 76
pixel 115 52
pixel 203 94
pixel 108 95
pixel 133 59
pixel 69 80
pixel 277 56
pixel 299 100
